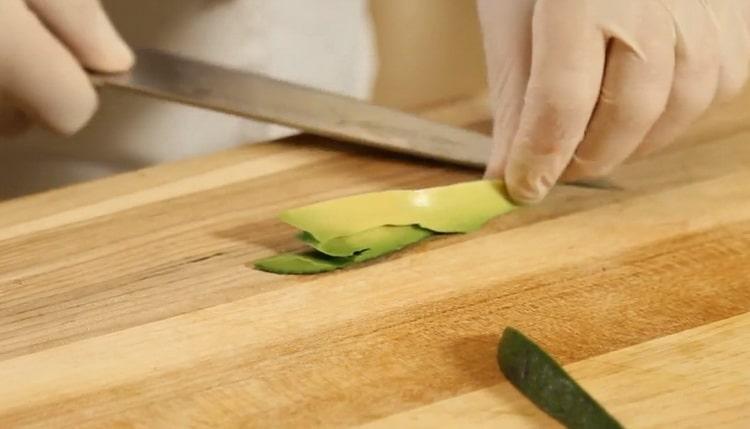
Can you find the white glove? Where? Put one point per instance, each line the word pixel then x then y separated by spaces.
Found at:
pixel 580 86
pixel 45 46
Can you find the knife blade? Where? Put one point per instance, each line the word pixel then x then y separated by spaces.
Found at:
pixel 185 80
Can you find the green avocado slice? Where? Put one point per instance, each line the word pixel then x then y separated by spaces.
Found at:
pixel 543 381
pixel 370 244
pixel 458 208
pixel 358 228
pixel 377 240
pixel 311 262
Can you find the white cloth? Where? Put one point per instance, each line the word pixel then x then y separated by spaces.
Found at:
pixel 326 44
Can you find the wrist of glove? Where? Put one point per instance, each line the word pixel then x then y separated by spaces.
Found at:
pixel 46 45
pixel 580 86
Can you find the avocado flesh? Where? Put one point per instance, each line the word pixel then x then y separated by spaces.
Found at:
pixel 311 262
pixel 358 228
pixel 458 208
pixel 370 244
pixel 378 240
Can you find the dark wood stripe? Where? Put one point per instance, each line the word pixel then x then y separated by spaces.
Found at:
pixel 421 354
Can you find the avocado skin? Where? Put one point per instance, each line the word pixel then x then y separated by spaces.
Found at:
pixel 370 244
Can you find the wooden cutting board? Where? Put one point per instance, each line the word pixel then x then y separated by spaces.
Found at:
pixel 129 302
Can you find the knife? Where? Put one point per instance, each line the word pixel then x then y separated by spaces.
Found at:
pixel 180 79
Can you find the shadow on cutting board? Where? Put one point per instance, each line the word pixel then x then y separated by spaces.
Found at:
pixel 475 357
pixel 268 234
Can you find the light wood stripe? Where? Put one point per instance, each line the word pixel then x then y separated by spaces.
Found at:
pixel 685 380
pixel 202 182
pixel 127 302
pixel 252 329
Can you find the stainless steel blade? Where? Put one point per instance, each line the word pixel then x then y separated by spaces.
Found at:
pixel 255 96
pixel 184 80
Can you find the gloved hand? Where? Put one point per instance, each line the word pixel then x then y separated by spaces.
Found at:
pixel 44 47
pixel 580 86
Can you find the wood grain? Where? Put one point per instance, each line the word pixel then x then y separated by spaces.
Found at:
pixel 128 302
pixel 685 380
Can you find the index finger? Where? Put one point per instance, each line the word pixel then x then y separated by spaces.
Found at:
pixel 566 72
pixel 40 75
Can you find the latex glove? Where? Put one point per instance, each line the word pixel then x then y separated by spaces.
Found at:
pixel 580 86
pixel 45 46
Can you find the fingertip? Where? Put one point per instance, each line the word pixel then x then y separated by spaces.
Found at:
pixel 119 57
pixel 107 51
pixel 88 32
pixel 55 92
pixel 527 188
pixel 524 195
pixel 76 116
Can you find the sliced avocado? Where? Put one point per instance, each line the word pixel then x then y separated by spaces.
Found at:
pixel 458 208
pixel 370 244
pixel 383 238
pixel 358 228
pixel 301 263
